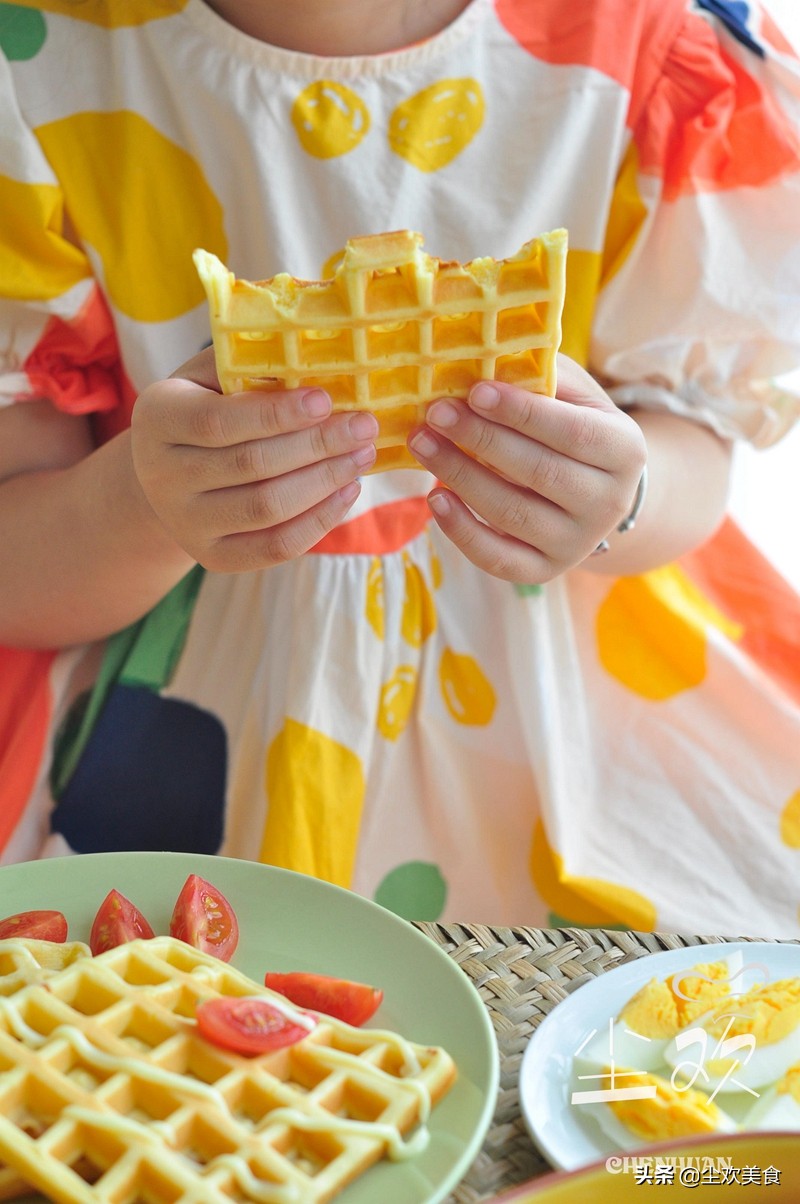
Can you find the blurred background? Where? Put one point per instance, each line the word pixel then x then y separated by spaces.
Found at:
pixel 766 487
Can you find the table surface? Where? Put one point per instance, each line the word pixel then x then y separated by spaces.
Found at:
pixel 521 974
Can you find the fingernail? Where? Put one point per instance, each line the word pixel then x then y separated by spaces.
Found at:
pixel 484 397
pixel 316 403
pixel 424 443
pixel 442 413
pixel 363 456
pixel 363 426
pixel 348 493
pixel 439 504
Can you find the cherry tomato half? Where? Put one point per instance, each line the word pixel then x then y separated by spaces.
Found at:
pixel 353 1002
pixel 35 925
pixel 248 1024
pixel 204 918
pixel 116 922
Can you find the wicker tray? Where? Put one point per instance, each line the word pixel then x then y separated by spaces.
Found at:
pixel 521 974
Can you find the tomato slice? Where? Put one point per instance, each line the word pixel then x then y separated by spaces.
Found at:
pixel 204 918
pixel 116 922
pixel 35 925
pixel 249 1024
pixel 353 1002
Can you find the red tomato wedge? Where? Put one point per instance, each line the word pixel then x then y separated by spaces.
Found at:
pixel 35 925
pixel 353 1002
pixel 248 1024
pixel 204 918
pixel 116 922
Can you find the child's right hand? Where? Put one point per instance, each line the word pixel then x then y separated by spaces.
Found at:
pixel 251 480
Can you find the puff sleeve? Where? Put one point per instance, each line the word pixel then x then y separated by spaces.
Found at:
pixel 699 308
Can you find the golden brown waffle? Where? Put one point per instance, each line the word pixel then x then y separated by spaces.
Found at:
pixel 393 329
pixel 108 1092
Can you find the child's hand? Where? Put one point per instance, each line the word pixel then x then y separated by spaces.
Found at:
pixel 549 477
pixel 250 480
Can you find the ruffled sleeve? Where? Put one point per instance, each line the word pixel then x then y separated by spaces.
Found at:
pixel 699 308
pixel 58 340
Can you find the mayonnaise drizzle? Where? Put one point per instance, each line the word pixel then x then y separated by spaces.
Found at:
pixel 398 1148
pixel 417 1088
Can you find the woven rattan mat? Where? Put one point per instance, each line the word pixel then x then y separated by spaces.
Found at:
pixel 521 974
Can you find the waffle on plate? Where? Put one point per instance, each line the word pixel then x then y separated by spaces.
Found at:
pixel 109 1093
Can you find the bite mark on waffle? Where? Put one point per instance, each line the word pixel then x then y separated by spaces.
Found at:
pixel 393 329
pixel 109 1093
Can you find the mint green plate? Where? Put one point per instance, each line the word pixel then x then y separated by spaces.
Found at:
pixel 290 922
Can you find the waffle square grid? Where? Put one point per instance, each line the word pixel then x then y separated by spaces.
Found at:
pixel 109 1094
pixel 393 329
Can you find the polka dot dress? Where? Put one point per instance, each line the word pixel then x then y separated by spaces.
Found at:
pixel 380 713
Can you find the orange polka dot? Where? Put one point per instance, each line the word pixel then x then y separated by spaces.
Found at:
pixel 651 633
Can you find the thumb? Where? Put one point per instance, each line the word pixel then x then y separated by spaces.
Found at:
pixel 576 385
pixel 201 369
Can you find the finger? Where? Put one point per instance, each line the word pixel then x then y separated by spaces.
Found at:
pixel 276 500
pixel 187 413
pixel 568 483
pixel 501 555
pixel 507 507
pixel 201 369
pixel 580 422
pixel 250 550
pixel 258 459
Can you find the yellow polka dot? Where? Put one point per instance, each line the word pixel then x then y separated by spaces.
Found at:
pixel 142 203
pixel 329 118
pixel 396 701
pixel 111 14
pixel 418 619
pixel 651 632
pixel 591 901
pixel 583 275
pixel 467 691
pixel 790 822
pixel 434 126
pixel 315 795
pixel 373 608
pixel 36 262
pixel 628 212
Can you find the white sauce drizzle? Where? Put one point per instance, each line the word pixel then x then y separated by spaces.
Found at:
pixel 420 1089
pixel 397 1147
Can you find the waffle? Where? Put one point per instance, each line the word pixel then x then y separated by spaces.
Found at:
pixel 393 329
pixel 25 961
pixel 108 1092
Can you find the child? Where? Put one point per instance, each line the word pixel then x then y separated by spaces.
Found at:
pixel 425 685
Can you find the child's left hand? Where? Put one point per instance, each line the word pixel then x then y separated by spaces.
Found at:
pixel 549 476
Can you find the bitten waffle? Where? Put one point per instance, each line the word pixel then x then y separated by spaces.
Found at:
pixel 108 1092
pixel 393 329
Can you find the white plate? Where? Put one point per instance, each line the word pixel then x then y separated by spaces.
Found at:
pixel 288 921
pixel 564 1132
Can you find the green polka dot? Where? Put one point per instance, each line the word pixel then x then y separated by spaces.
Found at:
pixel 415 891
pixel 526 590
pixel 22 31
pixel 556 921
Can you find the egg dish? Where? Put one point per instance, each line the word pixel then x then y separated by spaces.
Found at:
pixel 694 1054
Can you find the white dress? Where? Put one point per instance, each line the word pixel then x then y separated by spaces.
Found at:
pixel 379 712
